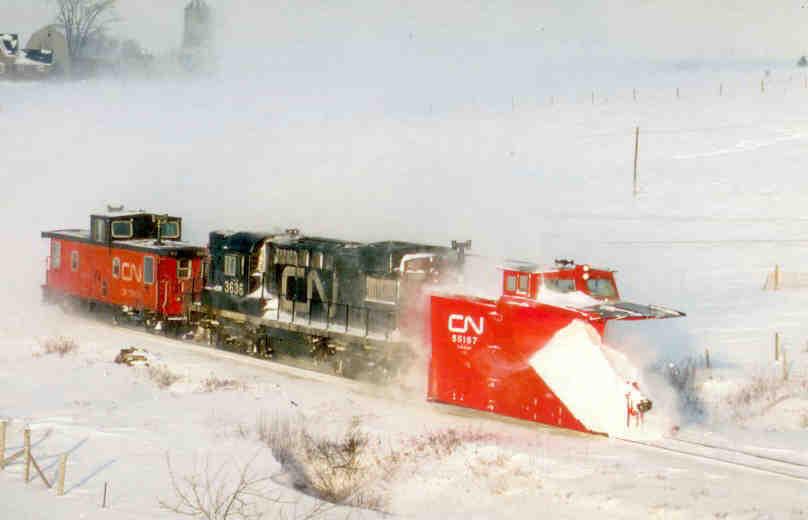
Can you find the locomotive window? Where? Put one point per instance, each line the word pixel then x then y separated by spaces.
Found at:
pixel 122 229
pixel 560 284
pixel 304 258
pixel 510 282
pixel 601 287
pixel 74 260
pixel 317 260
pixel 170 229
pixel 381 290
pixel 116 267
pixel 231 264
pixel 524 283
pixel 56 254
pixel 148 270
pixel 184 268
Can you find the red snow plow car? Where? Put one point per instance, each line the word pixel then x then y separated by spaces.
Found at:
pixel 536 353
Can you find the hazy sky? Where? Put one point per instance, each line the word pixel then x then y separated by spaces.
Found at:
pixel 657 29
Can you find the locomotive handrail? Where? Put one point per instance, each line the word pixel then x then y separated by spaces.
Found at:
pixel 332 317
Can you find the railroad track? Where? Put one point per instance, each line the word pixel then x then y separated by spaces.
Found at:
pixel 685 447
pixel 728 456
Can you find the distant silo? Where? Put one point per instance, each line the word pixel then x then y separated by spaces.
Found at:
pixel 198 25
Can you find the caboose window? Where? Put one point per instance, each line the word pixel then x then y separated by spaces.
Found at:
pixel 56 254
pixel 184 268
pixel 74 260
pixel 170 229
pixel 121 229
pixel 231 264
pixel 99 230
pixel 382 290
pixel 116 267
pixel 510 282
pixel 148 269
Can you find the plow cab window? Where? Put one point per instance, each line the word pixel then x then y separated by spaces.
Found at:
pixel 170 229
pixel 74 260
pixel 561 285
pixel 122 229
pixel 56 254
pixel 184 268
pixel 601 288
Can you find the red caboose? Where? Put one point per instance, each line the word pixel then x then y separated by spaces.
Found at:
pixel 132 262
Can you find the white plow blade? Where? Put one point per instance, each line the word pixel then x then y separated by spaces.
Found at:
pixel 573 365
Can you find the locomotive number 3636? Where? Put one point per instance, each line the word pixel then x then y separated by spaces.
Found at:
pixel 234 287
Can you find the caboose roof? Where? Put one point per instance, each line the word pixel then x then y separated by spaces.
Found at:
pixel 141 244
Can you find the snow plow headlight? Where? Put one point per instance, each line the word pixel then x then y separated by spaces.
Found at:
pixel 586 276
pixel 644 406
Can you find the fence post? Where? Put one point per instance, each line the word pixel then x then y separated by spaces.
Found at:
pixel 634 93
pixel 27 449
pixel 104 500
pixel 677 92
pixel 777 346
pixel 327 315
pixel 60 484
pixel 785 366
pixel 636 155
pixel 707 357
pixel 367 321
pixel 347 316
pixel 720 89
pixel 3 445
pixel 777 277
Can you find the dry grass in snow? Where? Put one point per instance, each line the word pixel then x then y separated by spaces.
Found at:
pixel 353 468
pixel 59 345
pixel 213 383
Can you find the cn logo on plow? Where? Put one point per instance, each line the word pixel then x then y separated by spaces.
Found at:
pixel 462 324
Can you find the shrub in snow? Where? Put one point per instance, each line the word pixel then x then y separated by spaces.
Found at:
pixel 162 376
pixel 60 345
pixel 340 469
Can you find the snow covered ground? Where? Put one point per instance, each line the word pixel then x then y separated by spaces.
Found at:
pixel 721 202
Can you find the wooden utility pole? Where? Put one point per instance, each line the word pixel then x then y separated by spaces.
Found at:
pixel 3 445
pixel 26 435
pixel 636 155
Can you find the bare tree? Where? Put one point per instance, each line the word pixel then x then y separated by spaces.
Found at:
pixel 82 20
pixel 211 494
